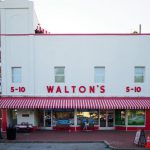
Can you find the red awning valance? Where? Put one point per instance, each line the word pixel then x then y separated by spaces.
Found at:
pixel 75 102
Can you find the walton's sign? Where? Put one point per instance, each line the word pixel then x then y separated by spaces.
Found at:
pixel 76 89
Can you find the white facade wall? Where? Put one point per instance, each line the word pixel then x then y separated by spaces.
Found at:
pixel 37 55
pixel 17 17
pixel 79 54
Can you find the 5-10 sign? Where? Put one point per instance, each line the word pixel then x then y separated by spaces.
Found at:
pixel 137 89
pixel 18 89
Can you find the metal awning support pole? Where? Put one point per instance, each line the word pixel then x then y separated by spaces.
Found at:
pixel 75 119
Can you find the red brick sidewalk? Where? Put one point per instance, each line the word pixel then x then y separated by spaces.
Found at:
pixel 118 139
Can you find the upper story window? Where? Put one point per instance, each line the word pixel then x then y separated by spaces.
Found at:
pixel 139 74
pixel 59 74
pixel 99 74
pixel 16 74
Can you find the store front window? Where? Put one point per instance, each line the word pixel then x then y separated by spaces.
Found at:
pixel 120 117
pixel 63 116
pixel 136 117
pixel 12 117
pixel 91 116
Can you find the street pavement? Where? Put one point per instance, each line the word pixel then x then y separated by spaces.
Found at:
pixel 114 139
pixel 53 146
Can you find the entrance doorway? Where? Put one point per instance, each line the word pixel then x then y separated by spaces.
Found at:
pixel 44 119
pixel 107 119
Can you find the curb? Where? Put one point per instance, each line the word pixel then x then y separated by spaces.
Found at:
pixel 105 142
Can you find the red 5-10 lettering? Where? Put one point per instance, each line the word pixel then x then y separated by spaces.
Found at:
pixel 134 89
pixel 19 89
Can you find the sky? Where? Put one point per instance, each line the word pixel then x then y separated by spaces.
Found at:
pixel 93 16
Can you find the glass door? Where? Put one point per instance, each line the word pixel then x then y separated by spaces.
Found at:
pixel 47 118
pixel 110 118
pixel 44 119
pixel 106 119
pixel 103 118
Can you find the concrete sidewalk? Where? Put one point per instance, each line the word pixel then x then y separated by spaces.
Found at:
pixel 53 146
pixel 116 139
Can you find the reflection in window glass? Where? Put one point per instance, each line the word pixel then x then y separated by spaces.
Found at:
pixel 59 74
pixel 12 113
pixel 47 118
pixel 103 118
pixel 41 118
pixel 89 115
pixel 99 74
pixel 136 117
pixel 16 74
pixel 63 116
pixel 120 117
pixel 139 74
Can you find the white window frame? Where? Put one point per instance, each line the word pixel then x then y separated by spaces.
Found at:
pixel 100 75
pixel 59 75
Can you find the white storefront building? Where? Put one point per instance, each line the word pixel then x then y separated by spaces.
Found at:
pixel 53 80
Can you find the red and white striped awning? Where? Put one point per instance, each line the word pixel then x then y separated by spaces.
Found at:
pixel 75 102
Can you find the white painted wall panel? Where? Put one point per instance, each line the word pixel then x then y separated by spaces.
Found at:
pixel 38 55
pixel 79 55
pixel 18 52
pixel 17 21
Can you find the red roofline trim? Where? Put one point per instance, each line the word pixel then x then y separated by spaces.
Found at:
pixel 80 34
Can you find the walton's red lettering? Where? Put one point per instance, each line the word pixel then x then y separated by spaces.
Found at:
pixel 73 89
pixel 50 89
pixel 102 89
pixel 66 90
pixel 58 90
pixel 92 89
pixel 82 89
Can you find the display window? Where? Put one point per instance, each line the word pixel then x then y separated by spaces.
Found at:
pixel 136 117
pixel 89 116
pixel 120 116
pixel 12 117
pixel 62 116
